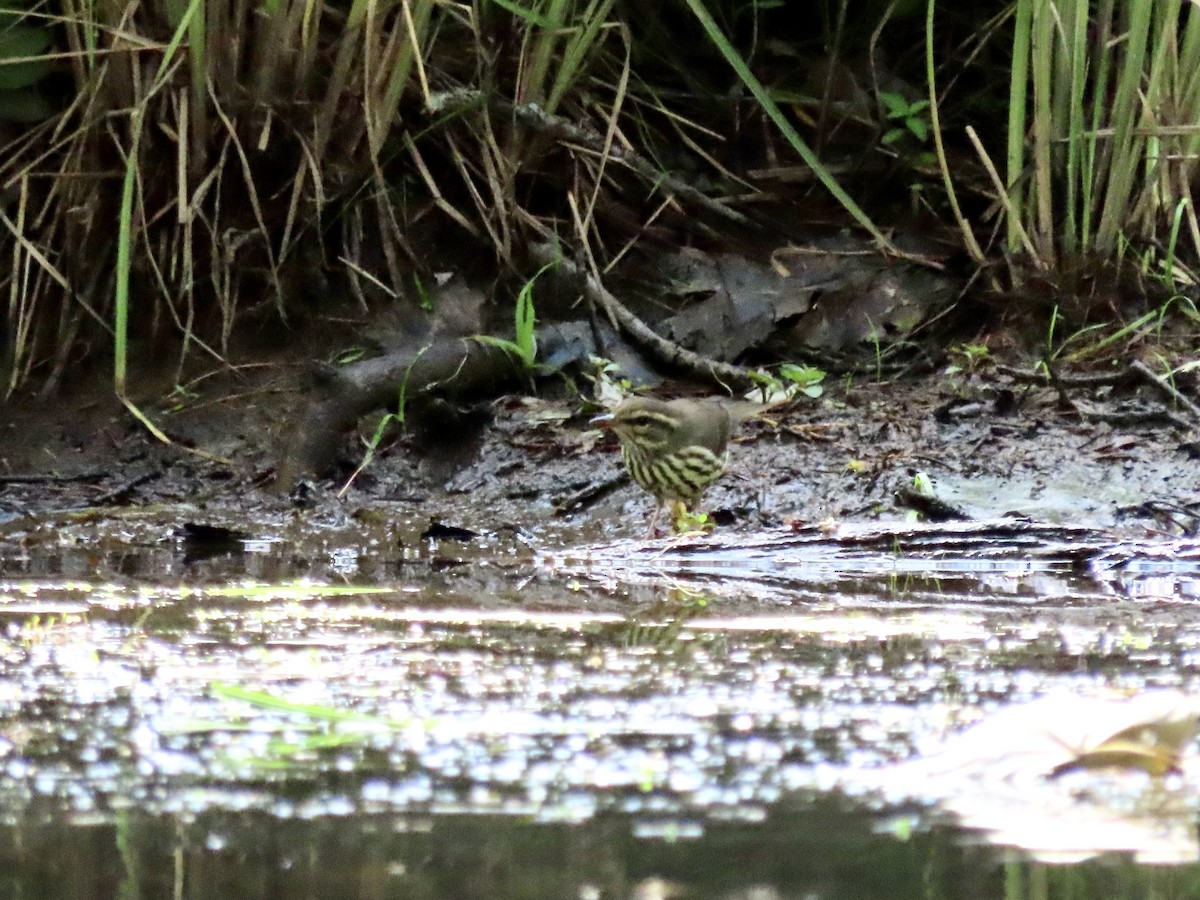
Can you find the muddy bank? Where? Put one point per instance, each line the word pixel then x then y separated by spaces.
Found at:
pixel 990 445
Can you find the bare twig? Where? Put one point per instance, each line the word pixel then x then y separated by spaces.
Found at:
pixel 50 478
pixel 1088 380
pixel 731 377
pixel 1129 418
pixel 1165 387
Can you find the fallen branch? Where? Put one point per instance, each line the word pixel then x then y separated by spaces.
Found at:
pixel 459 367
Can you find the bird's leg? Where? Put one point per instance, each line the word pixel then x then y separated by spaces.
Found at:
pixel 658 508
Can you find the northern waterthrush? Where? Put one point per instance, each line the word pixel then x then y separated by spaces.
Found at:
pixel 673 449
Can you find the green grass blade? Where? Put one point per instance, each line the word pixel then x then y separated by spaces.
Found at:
pixel 1018 100
pixel 750 80
pixel 125 234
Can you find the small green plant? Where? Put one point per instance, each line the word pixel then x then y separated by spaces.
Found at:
pixel 524 343
pixel 398 418
pixel 1172 272
pixel 180 398
pixel 804 380
pixel 967 359
pixel 790 381
pixel 376 439
pixel 424 300
pixel 1102 335
pixel 692 521
pixel 877 343
pixel 907 118
pixel 1050 330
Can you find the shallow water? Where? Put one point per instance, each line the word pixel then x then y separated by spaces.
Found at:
pixel 317 708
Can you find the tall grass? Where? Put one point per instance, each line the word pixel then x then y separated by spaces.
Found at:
pixel 782 122
pixel 1104 128
pixel 233 144
pixel 191 161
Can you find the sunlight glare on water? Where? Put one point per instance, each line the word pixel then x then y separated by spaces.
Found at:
pixel 680 700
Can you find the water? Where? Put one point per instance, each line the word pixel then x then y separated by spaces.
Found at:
pixel 311 711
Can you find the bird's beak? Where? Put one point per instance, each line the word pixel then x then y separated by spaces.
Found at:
pixel 605 421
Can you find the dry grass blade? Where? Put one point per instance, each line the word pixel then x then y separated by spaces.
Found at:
pixel 255 204
pixel 610 131
pixel 442 203
pixel 494 219
pixel 1010 210
pixel 969 241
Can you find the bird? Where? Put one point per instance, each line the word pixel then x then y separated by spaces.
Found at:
pixel 673 449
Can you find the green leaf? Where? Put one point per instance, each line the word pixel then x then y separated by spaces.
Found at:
pixel 529 15
pixel 807 379
pixel 923 484
pixel 803 375
pixel 897 107
pixel 423 299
